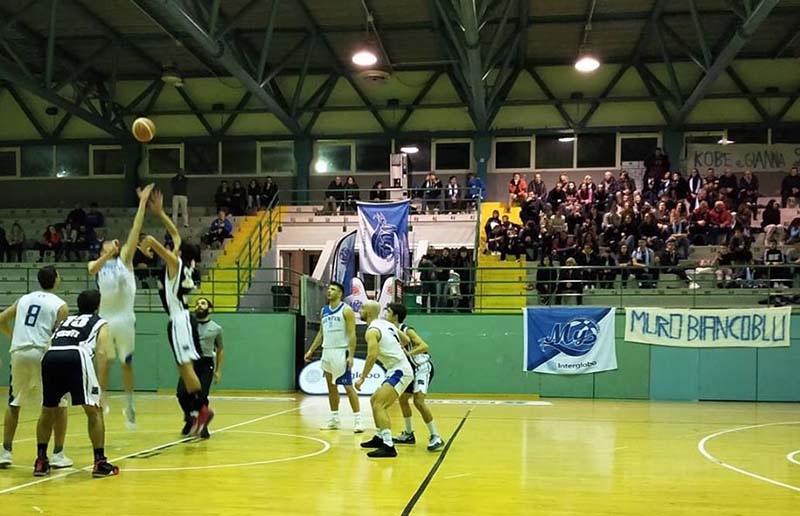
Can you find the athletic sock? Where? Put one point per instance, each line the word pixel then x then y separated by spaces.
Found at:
pixel 41 451
pixel 386 435
pixel 7 447
pixel 432 428
pixel 357 416
pixel 335 414
pixel 409 425
pixel 57 449
pixel 99 453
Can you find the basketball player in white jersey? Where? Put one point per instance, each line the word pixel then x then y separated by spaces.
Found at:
pixel 337 334
pixel 117 284
pixel 420 360
pixel 385 343
pixel 69 367
pixel 182 328
pixel 35 317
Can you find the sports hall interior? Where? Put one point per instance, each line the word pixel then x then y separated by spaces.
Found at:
pixel 475 90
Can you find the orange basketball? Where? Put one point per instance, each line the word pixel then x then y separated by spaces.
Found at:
pixel 143 129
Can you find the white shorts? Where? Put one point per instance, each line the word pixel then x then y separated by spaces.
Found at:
pixel 399 377
pixel 122 339
pixel 184 338
pixel 334 361
pixel 26 378
pixel 423 375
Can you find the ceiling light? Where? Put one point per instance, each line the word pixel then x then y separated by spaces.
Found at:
pixel 321 166
pixel 586 63
pixel 725 141
pixel 566 139
pixel 365 57
pixel 410 149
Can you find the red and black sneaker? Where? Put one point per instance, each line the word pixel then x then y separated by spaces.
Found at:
pixel 103 468
pixel 41 468
pixel 203 419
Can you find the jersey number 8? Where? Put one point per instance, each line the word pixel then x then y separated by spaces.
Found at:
pixel 32 315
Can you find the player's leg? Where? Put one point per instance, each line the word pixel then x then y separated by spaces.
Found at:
pixel 333 402
pixel 10 422
pixel 407 435
pixel 44 429
pixel 355 405
pixel 422 382
pixel 381 401
pixel 334 364
pixel 22 376
pixel 97 434
pixel 124 341
pixel 205 372
pixel 183 401
pixel 183 339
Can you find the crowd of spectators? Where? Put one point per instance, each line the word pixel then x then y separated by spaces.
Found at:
pixel 447 278
pixel 238 200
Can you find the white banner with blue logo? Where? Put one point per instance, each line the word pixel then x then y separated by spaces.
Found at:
pixel 383 238
pixel 570 340
pixel 343 265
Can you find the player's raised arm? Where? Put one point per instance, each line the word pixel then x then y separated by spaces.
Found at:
pixel 129 247
pixel 350 329
pixel 372 336
pixel 101 357
pixel 419 345
pixel 157 207
pixel 170 258
pixel 95 265
pixel 6 316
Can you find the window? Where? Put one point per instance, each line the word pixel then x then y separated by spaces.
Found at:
pixel 419 161
pixel 333 157
pixel 164 159
pixel 637 149
pixel 703 137
pixel 373 155
pixel 276 158
pixel 238 158
pixel 453 155
pixel 106 160
pixel 597 150
pixel 72 160
pixel 747 135
pixel 512 154
pixel 9 161
pixel 37 160
pixel 786 135
pixel 552 153
pixel 202 157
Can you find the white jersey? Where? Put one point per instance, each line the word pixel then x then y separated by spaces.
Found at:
pixel 334 331
pixel 420 358
pixel 390 350
pixel 117 286
pixel 176 289
pixel 36 319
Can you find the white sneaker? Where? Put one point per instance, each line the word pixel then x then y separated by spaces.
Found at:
pixel 332 424
pixel 130 418
pixel 435 443
pixel 60 460
pixel 358 427
pixel 5 458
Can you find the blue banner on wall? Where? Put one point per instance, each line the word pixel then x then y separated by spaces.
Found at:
pixel 569 340
pixel 383 238
pixel 343 265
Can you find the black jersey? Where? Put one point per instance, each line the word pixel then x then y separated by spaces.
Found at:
pixel 78 331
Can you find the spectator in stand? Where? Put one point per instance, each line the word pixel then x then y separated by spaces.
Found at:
pixel 629 230
pixel 571 191
pixel 86 236
pixel 511 243
pixel 790 186
pixel 558 222
pixel 744 218
pixel 711 176
pixel 570 282
pixel 180 197
pixel 4 249
pixel 720 223
pixel 531 208
pixel 517 190
pixel 476 190
pixel 69 242
pixel 563 247
pixel 793 232
pixel 626 183
pixel 222 198
pixel 729 188
pixel 95 219
pixel 76 217
pixel 16 242
pixel 586 194
pixel 443 262
pixel 238 199
pixel 556 197
pixel 492 223
pixel 748 190
pixel 679 187
pixel 607 276
pixel 656 164
pixel 452 195
pixel 648 229
pixel 378 192
pixel 642 261
pixel 610 183
pixel 740 246
pixel 269 194
pixel 771 222
pixel 774 258
pixel 431 193
pixel 602 198
pixel 670 262
pixel 221 228
pixel 51 241
pixel 253 196
pixel 722 262
pixel 694 183
pixel 624 260
pixel 546 280
pixel 529 240
pixel 538 186
pixel 698 225
pixel 679 228
pixel 588 258
pixel 463 266
pixel 334 195
pixel 352 194
pixel 427 277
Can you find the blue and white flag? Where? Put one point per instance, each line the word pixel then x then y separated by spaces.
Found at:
pixel 343 266
pixel 383 237
pixel 569 340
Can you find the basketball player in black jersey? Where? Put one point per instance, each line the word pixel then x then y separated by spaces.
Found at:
pixel 76 363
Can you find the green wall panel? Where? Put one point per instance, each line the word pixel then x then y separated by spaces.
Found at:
pixel 778 377
pixel 567 386
pixel 727 374
pixel 673 373
pixel 632 377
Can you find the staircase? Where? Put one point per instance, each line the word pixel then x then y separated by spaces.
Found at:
pixel 500 285
pixel 229 277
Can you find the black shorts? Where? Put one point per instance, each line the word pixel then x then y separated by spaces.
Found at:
pixel 69 371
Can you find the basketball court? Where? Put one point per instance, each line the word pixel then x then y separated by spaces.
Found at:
pixel 507 456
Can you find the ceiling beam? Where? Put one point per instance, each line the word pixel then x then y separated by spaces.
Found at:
pixel 26 110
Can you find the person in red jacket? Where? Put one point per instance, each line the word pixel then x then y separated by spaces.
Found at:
pixel 517 190
pixel 51 241
pixel 720 222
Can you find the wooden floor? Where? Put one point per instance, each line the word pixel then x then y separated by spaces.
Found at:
pixel 568 457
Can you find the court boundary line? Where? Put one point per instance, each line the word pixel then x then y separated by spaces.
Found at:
pixel 148 450
pixel 701 447
pixel 791 457
pixel 427 480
